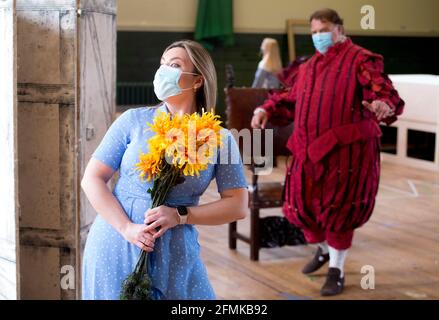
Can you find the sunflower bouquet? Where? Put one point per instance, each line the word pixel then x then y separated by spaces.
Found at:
pixel 183 145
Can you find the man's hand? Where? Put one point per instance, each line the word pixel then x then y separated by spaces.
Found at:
pixel 381 109
pixel 259 120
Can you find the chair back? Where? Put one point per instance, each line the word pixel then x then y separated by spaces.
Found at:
pixel 241 102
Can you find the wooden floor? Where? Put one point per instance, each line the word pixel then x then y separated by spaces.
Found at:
pixel 401 243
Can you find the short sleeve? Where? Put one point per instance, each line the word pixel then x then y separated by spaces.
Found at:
pixel 112 147
pixel 229 169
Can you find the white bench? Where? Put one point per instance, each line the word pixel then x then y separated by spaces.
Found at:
pixel 421 113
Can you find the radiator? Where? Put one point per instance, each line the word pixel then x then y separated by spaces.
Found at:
pixel 135 93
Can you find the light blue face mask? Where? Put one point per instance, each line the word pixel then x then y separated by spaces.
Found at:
pixel 166 82
pixel 322 41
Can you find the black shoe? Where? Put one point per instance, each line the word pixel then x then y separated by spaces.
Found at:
pixel 334 283
pixel 316 263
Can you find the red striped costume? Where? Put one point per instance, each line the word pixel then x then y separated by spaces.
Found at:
pixel 333 178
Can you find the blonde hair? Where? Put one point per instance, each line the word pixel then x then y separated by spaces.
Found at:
pixel 271 61
pixel 204 66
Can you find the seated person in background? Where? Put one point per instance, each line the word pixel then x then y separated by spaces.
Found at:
pixel 269 66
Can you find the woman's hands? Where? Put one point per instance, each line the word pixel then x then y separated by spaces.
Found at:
pixel 162 217
pixel 138 235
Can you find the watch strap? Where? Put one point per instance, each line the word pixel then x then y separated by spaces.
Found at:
pixel 182 214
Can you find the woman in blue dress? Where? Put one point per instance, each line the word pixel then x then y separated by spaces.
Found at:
pixel 126 224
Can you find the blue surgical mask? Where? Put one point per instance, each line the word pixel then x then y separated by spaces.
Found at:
pixel 166 82
pixel 322 41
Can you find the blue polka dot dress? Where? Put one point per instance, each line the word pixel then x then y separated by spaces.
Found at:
pixel 175 266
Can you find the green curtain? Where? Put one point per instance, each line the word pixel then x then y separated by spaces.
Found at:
pixel 214 25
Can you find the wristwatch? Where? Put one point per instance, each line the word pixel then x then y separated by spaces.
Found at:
pixel 182 214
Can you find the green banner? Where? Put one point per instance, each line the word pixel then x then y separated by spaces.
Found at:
pixel 214 25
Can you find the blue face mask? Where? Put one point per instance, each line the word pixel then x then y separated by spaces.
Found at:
pixel 166 82
pixel 322 41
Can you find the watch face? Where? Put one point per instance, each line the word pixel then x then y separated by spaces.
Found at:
pixel 182 211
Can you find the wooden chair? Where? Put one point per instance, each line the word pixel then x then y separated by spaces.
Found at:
pixel 241 103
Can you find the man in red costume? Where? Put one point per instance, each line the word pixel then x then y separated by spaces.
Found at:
pixel 337 99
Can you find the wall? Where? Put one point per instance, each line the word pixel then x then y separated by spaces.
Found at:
pixel 393 17
pixel 146 27
pixel 138 55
